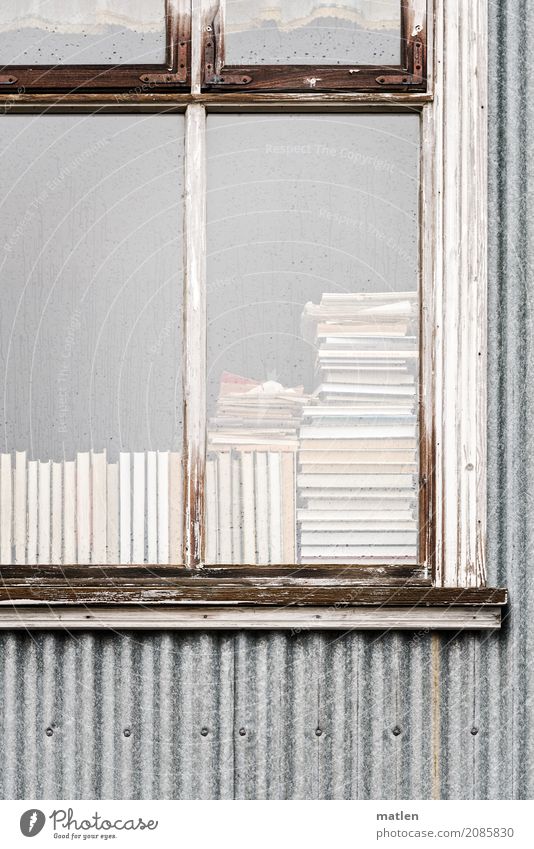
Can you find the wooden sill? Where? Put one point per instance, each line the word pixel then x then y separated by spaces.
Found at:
pixel 234 597
pixel 293 618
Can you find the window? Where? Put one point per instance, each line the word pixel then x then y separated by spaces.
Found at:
pixel 355 45
pixel 85 45
pixel 243 335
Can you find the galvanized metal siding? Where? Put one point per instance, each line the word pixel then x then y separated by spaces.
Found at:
pixel 323 715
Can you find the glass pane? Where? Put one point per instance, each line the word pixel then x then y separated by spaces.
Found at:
pixel 313 32
pixel 82 32
pixel 90 337
pixel 312 338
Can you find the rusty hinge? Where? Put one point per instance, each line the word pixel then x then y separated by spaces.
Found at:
pixel 169 77
pixel 7 79
pixel 228 79
pixel 415 78
pixel 163 79
pixel 210 77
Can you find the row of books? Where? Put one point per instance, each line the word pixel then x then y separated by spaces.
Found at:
pixel 250 507
pixel 89 511
pixel 357 457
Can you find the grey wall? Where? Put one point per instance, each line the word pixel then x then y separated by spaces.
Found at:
pixel 356 688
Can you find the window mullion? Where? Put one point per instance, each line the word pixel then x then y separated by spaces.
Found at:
pixel 194 361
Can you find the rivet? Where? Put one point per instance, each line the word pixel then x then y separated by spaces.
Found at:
pixel 127 732
pixel 49 732
pixel 469 467
pixel 242 731
pixel 396 731
pixel 474 731
pixel 318 732
pixel 204 732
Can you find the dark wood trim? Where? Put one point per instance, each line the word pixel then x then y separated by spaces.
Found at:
pixel 236 586
pixel 388 575
pixel 133 101
pixel 131 79
pixel 410 75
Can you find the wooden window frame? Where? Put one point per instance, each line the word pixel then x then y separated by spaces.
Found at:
pixel 410 75
pixel 173 72
pixel 449 590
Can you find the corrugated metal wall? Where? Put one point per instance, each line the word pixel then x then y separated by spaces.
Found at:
pixel 324 715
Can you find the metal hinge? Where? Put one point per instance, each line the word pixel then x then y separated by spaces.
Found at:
pixel 210 77
pixel 415 78
pixel 7 79
pixel 169 77
pixel 162 79
pixel 228 79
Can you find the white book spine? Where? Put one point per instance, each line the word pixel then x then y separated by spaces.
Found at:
pixel 33 500
pixel 249 532
pixel 99 508
pixel 20 507
pixel 125 508
pixel 262 507
pixel 176 515
pixel 275 508
pixel 237 518
pixel 69 513
pixel 6 509
pixel 288 508
pixel 112 515
pixel 83 507
pixel 57 514
pixel 152 507
pixel 44 514
pixel 211 511
pixel 163 506
pixel 224 479
pixel 138 523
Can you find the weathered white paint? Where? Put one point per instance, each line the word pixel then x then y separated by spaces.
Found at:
pixel 272 618
pixel 455 243
pixel 195 331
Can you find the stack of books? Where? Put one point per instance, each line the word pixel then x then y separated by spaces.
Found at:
pixel 256 415
pixel 251 472
pixel 358 475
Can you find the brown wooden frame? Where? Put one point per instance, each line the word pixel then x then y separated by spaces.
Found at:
pixel 173 73
pixel 410 75
pixel 235 585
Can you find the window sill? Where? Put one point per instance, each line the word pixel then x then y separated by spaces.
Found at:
pixel 225 598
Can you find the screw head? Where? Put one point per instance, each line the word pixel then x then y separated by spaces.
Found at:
pixel 242 732
pixel 127 732
pixel 204 731
pixel 49 732
pixel 396 731
pixel 318 732
pixel 474 731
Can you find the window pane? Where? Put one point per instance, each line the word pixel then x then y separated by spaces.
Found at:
pixel 312 338
pixel 83 32
pixel 313 32
pixel 90 334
